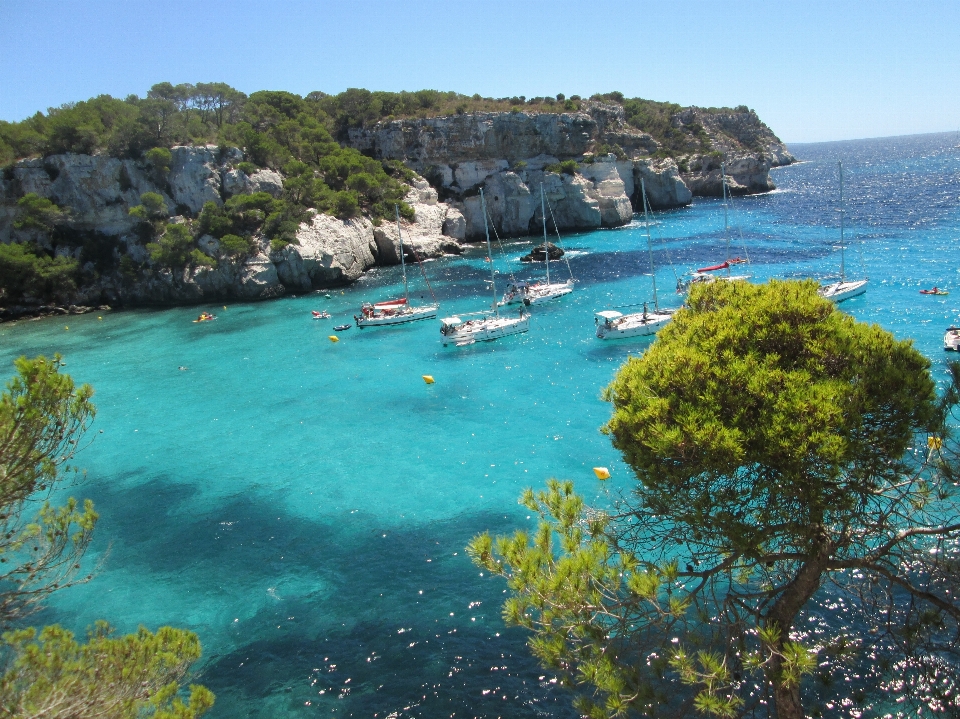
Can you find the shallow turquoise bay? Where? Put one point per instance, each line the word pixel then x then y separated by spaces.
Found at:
pixel 304 505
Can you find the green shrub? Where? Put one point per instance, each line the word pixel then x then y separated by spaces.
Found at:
pixel 160 158
pixel 176 248
pixel 346 205
pixel 25 270
pixel 236 246
pixel 247 168
pixel 567 167
pixel 152 207
pixel 38 213
pixel 519 165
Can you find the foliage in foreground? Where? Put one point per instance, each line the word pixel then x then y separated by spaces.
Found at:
pixel 136 675
pixel 790 465
pixel 43 418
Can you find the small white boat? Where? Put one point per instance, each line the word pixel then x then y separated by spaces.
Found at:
pixel 531 293
pixel 398 311
pixel 703 274
pixel 488 325
pixel 951 339
pixel 395 312
pixel 843 289
pixel 614 325
pixel 683 286
pixel 481 327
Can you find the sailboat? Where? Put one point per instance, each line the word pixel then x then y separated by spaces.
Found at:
pixel 703 273
pixel 842 290
pixel 532 293
pixel 398 311
pixel 612 324
pixel 487 325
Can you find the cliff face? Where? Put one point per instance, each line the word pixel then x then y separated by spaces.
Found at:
pixel 509 156
pixel 748 147
pixel 98 192
pixel 506 154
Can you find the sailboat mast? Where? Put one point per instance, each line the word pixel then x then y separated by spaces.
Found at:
pixel 486 229
pixel 403 266
pixel 646 222
pixel 546 250
pixel 842 268
pixel 726 223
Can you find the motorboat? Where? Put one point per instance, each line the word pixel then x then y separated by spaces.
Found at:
pixel 951 339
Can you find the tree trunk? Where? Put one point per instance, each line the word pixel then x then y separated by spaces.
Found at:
pixel 784 612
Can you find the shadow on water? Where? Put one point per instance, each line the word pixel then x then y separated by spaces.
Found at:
pixel 388 607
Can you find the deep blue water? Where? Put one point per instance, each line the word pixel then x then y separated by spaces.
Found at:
pixel 304 505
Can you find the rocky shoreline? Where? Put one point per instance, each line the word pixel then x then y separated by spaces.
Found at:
pixel 507 155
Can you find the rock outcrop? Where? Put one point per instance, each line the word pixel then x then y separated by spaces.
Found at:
pixel 508 155
pixel 98 192
pixel 590 165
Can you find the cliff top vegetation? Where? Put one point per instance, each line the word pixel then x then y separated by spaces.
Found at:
pixel 276 127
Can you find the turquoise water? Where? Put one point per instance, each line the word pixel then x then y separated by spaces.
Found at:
pixel 303 505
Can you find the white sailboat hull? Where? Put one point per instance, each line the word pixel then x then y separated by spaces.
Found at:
pixel 398 317
pixel 633 325
pixel 951 339
pixel 534 294
pixel 840 291
pixel 549 292
pixel 482 330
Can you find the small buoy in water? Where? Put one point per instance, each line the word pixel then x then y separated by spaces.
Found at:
pixel 428 378
pixel 66 328
pixel 100 318
pixel 224 307
pixel 333 338
pixel 601 472
pixel 934 442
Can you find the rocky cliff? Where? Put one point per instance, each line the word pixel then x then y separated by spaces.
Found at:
pixel 98 192
pixel 590 165
pixel 509 155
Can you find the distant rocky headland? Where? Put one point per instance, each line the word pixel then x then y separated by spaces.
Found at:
pixel 200 193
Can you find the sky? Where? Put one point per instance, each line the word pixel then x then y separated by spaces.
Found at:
pixel 814 71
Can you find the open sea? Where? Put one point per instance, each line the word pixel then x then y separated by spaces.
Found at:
pixel 303 505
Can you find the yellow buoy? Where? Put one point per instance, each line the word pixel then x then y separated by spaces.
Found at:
pixel 428 378
pixel 224 307
pixel 334 338
pixel 100 318
pixel 601 472
pixel 66 328
pixel 934 442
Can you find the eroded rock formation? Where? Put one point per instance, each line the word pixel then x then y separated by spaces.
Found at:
pixel 509 155
pixel 98 192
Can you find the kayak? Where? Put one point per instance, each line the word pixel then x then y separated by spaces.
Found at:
pixel 934 291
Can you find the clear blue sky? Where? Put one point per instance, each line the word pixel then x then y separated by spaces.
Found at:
pixel 813 70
